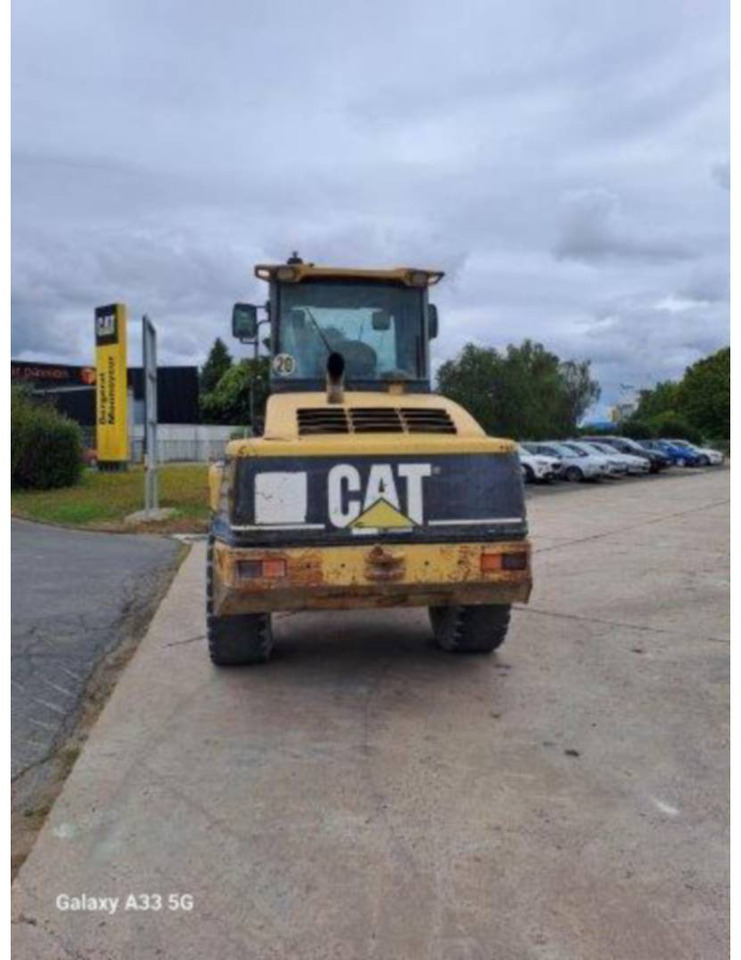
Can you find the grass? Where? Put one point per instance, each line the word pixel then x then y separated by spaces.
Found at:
pixel 102 501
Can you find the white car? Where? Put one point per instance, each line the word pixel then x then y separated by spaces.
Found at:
pixel 536 467
pixel 576 465
pixel 611 465
pixel 638 466
pixel 712 457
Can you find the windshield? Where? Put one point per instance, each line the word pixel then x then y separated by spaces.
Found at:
pixel 579 451
pixel 565 451
pixel 378 329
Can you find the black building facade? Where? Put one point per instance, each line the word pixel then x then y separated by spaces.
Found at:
pixel 72 389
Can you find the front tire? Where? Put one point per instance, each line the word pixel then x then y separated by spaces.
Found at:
pixel 234 641
pixel 528 475
pixel 574 474
pixel 470 629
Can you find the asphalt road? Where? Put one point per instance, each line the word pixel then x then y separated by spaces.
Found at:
pixel 367 796
pixel 75 596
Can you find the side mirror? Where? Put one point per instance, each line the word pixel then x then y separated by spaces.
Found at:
pixel 244 321
pixel 432 320
pixel 381 320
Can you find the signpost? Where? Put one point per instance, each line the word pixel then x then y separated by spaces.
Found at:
pixel 110 387
pixel 149 355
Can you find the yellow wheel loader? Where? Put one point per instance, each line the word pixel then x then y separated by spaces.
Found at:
pixel 365 489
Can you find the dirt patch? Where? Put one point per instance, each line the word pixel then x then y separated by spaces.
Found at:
pixel 179 524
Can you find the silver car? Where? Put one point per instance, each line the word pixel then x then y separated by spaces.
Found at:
pixel 638 466
pixel 577 465
pixel 612 466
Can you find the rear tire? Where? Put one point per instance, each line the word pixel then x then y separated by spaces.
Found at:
pixel 528 475
pixel 573 474
pixel 704 461
pixel 470 629
pixel 234 641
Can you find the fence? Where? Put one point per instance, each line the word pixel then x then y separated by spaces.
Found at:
pixel 195 449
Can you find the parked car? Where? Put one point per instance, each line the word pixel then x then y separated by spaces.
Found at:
pixel 678 455
pixel 638 466
pixel 576 464
pixel 656 459
pixel 538 468
pixel 612 466
pixel 706 454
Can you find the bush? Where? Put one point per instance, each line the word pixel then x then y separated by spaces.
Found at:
pixel 674 426
pixel 45 447
pixel 637 430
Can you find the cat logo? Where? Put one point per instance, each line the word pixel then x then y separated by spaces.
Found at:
pixel 379 505
pixel 381 516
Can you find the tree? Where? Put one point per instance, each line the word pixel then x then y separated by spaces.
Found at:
pixel 471 380
pixel 525 392
pixel 704 395
pixel 674 426
pixel 637 429
pixel 217 363
pixel 580 391
pixel 229 402
pixel 658 400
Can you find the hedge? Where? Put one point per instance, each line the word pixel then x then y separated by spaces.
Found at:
pixel 46 449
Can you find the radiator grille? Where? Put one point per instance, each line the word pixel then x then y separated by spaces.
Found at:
pixel 322 420
pixel 422 420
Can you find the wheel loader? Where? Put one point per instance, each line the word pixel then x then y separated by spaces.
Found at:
pixel 365 489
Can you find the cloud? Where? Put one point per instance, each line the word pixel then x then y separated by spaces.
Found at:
pixel 593 228
pixel 639 341
pixel 706 284
pixel 721 174
pixel 554 161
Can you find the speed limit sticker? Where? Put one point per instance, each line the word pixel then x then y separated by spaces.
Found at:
pixel 284 365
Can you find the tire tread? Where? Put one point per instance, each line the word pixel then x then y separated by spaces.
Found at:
pixel 470 629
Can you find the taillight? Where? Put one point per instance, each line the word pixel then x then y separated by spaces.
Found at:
pixel 514 561
pixel 269 569
pixel 503 561
pixel 273 569
pixel 490 562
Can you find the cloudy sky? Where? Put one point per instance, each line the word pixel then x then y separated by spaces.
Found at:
pixel 565 161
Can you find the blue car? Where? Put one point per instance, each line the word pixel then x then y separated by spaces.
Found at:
pixel 681 456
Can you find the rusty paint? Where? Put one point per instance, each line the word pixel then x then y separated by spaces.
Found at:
pixel 377 595
pixel 382 564
pixel 368 576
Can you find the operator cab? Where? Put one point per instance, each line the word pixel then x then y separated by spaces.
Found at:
pixel 379 322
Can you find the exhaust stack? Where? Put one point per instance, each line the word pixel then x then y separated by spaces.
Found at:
pixel 335 378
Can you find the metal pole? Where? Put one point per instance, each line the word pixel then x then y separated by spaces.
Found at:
pixel 149 364
pixel 256 346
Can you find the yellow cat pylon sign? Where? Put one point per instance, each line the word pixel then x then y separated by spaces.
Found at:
pixel 111 421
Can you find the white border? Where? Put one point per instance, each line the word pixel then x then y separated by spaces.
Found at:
pixel 735 269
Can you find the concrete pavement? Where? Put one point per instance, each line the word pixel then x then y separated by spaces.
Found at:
pixel 366 796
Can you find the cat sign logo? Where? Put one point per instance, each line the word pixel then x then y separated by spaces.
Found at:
pixel 111 421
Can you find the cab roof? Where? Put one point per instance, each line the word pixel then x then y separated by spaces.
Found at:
pixel 296 272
